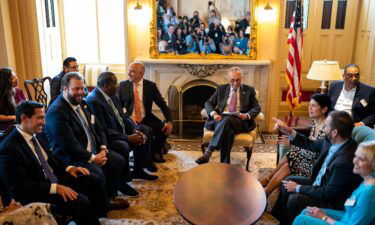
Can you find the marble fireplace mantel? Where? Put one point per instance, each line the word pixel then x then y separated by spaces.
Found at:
pixel 182 72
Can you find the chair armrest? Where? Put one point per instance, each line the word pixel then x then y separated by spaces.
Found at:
pixel 282 150
pixel 259 117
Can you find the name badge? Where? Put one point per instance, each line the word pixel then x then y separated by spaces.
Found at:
pixel 350 202
pixel 364 102
pixel 169 41
pixel 216 35
pixel 92 119
pixel 124 110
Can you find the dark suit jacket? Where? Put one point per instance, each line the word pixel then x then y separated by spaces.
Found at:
pixel 56 86
pixel 248 104
pixel 150 94
pixel 66 134
pixel 360 113
pixel 20 169
pixel 107 118
pixel 171 41
pixel 339 181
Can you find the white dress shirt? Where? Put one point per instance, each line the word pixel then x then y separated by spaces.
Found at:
pixel 28 138
pixel 345 100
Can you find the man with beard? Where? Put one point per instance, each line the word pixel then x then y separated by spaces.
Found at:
pixel 121 131
pixel 78 140
pixel 354 97
pixel 332 180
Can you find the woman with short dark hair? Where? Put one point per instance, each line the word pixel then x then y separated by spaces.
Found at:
pixel 299 161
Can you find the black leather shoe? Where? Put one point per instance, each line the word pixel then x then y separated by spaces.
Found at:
pixel 152 168
pixel 118 203
pixel 166 148
pixel 158 159
pixel 126 189
pixel 203 159
pixel 144 176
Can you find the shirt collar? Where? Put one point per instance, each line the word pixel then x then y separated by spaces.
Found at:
pixel 74 107
pixel 24 134
pixel 350 91
pixel 231 88
pixel 140 83
pixel 107 98
pixel 335 147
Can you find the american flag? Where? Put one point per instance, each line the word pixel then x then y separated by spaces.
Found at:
pixel 293 66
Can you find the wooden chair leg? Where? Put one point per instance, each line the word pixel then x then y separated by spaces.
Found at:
pixel 204 145
pixel 249 152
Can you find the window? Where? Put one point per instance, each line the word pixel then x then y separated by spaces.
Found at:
pixel 94 30
pixel 290 6
pixel 341 12
pixel 327 12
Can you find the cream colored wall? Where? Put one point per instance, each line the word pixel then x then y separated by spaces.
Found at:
pixel 7 57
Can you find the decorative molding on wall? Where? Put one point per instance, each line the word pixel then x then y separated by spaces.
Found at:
pixel 201 70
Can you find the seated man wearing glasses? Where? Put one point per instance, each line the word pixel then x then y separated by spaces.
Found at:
pixel 354 97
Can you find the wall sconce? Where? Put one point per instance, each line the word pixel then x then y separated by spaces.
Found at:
pixel 268 6
pixel 138 6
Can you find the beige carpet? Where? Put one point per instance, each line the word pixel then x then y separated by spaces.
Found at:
pixel 155 203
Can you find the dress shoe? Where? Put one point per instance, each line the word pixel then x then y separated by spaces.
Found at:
pixel 144 176
pixel 118 203
pixel 204 158
pixel 158 159
pixel 152 168
pixel 166 148
pixel 126 189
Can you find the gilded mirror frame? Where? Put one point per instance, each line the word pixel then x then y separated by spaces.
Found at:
pixel 154 52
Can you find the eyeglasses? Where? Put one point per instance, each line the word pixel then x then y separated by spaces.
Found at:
pixel 351 75
pixel 73 67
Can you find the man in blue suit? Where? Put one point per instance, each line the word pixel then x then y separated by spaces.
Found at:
pixel 30 173
pixel 120 130
pixel 236 99
pixel 77 139
pixel 354 97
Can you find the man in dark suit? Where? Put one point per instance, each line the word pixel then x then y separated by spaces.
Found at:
pixel 77 139
pixel 170 38
pixel 69 65
pixel 137 95
pixel 30 173
pixel 354 97
pixel 120 130
pixel 238 100
pixel 332 180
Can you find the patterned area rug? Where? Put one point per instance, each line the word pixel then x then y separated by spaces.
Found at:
pixel 155 203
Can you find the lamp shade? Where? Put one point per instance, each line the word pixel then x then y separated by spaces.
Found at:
pixel 324 71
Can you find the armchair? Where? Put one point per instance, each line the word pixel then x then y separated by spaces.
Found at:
pixel 246 140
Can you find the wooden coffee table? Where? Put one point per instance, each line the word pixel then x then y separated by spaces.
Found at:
pixel 217 193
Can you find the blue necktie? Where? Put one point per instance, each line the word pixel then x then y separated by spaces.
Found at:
pixel 323 169
pixel 43 162
pixel 87 130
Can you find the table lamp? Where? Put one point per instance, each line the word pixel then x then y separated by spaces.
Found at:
pixel 324 71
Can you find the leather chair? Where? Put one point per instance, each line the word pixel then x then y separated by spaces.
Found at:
pixel 36 89
pixel 246 140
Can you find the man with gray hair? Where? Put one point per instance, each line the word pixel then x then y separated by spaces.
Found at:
pixel 231 110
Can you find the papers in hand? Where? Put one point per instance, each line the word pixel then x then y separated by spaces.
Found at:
pixel 230 114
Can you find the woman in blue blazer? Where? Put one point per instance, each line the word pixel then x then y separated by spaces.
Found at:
pixel 359 208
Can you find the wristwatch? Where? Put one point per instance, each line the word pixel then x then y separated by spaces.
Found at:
pixel 324 218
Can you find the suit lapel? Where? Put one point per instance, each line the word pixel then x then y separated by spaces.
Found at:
pixel 103 99
pixel 226 94
pixel 74 114
pixel 130 107
pixel 356 98
pixel 242 98
pixel 26 148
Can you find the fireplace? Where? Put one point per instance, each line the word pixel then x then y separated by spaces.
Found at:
pixel 186 104
pixel 187 83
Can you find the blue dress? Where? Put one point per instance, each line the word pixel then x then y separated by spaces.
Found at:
pixel 359 210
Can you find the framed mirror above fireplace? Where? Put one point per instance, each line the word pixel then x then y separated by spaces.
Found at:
pixel 196 29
